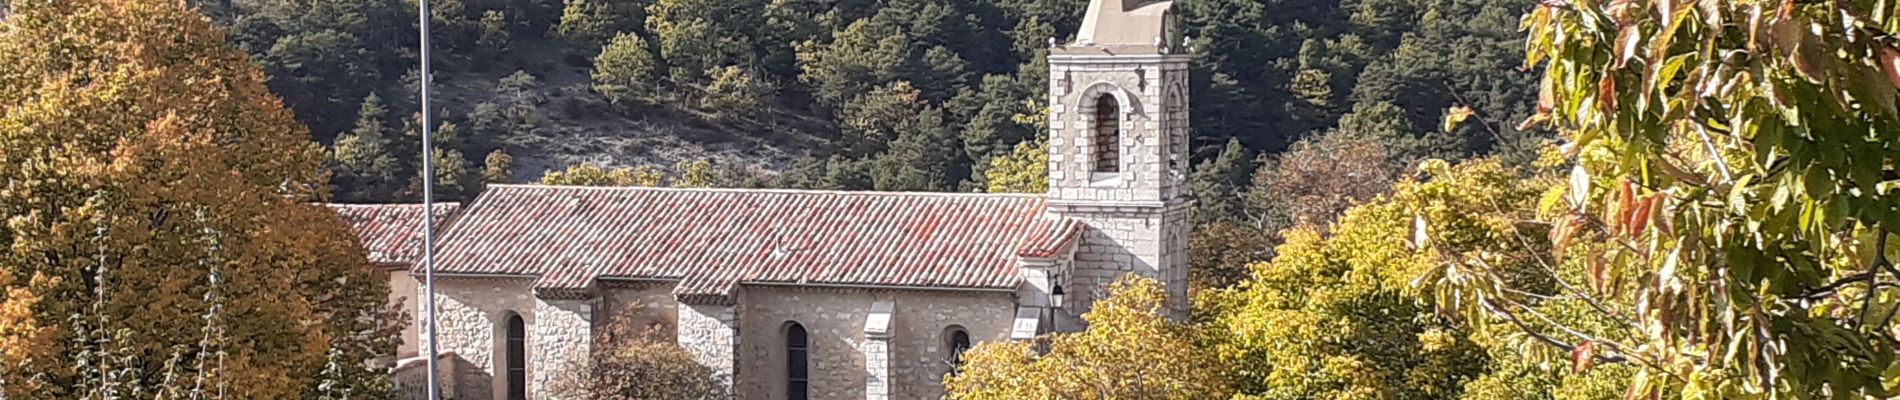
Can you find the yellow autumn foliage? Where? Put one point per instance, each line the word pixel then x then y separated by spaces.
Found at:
pixel 1129 351
pixel 161 201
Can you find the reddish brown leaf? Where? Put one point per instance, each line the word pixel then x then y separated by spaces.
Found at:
pixel 1622 11
pixel 1617 214
pixel 1639 217
pixel 1890 63
pixel 1606 95
pixel 1561 234
pixel 1582 357
pixel 1534 121
pixel 1599 270
pixel 1627 40
pixel 1754 27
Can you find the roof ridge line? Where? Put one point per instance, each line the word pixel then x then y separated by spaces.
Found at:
pixel 366 205
pixel 766 190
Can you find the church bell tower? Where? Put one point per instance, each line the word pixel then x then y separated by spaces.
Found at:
pixel 1118 149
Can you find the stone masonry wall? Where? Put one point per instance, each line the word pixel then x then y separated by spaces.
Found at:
pixel 472 311
pixel 711 333
pixel 1137 219
pixel 1114 244
pixel 920 351
pixel 835 319
pixel 561 339
pixel 1152 97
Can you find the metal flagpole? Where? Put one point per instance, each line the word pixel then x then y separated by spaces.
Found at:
pixel 428 202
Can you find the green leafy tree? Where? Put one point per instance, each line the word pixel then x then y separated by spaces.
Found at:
pixel 807 172
pixel 943 72
pixel 323 71
pixel 587 24
pixel 452 179
pixel 1023 170
pixel 624 70
pixel 696 174
pixel 1733 196
pixel 734 92
pixel 322 56
pixel 1130 351
pixel 590 174
pixel 871 121
pixel 1218 184
pixel 514 114
pixel 846 174
pixel 498 167
pixel 695 36
pixel 916 161
pixel 495 36
pixel 859 58
pixel 1335 315
pixel 364 160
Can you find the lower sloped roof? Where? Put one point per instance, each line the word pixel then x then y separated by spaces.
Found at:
pixel 391 233
pixel 713 239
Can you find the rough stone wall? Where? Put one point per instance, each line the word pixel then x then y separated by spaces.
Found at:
pixel 877 367
pixel 1137 219
pixel 561 339
pixel 835 318
pixel 471 310
pixel 1114 244
pixel 920 351
pixel 711 333
pixel 1152 94
pixel 1174 259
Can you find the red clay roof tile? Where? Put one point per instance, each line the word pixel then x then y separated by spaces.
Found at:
pixel 714 239
pixel 392 233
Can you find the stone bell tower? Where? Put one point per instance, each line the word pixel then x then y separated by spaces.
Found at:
pixel 1118 150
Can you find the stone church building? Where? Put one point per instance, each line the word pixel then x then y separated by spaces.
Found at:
pixel 791 294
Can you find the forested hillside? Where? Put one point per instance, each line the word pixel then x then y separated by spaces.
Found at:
pixel 854 94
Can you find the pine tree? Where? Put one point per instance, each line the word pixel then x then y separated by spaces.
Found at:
pixel 916 161
pixel 1218 182
pixel 364 160
pixel 495 37
pixel 498 167
pixel 624 70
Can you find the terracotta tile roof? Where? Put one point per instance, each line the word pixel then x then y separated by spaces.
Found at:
pixel 1051 239
pixel 711 240
pixel 392 233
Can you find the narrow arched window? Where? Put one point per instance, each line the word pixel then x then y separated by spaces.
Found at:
pixel 517 357
pixel 797 376
pixel 1108 134
pixel 957 342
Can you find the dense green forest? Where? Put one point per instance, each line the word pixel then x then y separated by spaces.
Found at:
pixel 855 94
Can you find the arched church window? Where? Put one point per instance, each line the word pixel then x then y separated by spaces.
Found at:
pixel 516 344
pixel 797 376
pixel 1108 134
pixel 956 341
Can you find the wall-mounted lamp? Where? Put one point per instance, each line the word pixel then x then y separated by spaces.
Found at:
pixel 1055 296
